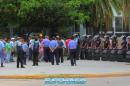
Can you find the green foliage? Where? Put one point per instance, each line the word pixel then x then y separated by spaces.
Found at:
pixel 56 13
pixel 8 13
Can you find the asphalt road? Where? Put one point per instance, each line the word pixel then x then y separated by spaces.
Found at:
pixel 114 81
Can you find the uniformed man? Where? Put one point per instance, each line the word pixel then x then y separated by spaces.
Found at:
pixel 76 38
pixel 2 53
pixel 25 50
pixel 53 45
pixel 107 42
pixel 114 42
pixel 31 43
pixel 20 53
pixel 36 51
pixel 97 42
pixel 106 47
pixel 97 48
pixel 124 46
pixel 128 46
pixel 72 50
pixel 83 47
pixel 89 46
pixel 60 49
pixel 46 43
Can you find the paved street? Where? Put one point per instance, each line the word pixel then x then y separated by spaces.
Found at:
pixel 83 67
pixel 120 81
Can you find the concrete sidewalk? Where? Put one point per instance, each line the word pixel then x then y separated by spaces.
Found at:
pixel 84 68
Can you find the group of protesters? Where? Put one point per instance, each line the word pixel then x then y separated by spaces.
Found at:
pixel 52 49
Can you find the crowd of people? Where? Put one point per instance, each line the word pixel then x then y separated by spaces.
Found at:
pixel 52 49
pixel 36 48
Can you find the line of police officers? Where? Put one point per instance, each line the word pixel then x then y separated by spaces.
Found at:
pixel 104 48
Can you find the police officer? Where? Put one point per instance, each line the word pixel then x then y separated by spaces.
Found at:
pixel 76 38
pixel 46 43
pixel 31 43
pixel 36 51
pixel 97 42
pixel 2 52
pixel 128 43
pixel 20 53
pixel 107 43
pixel 53 51
pixel 124 46
pixel 25 50
pixel 89 46
pixel 60 49
pixel 83 48
pixel 114 42
pixel 72 50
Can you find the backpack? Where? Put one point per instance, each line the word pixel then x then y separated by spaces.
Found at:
pixel 36 47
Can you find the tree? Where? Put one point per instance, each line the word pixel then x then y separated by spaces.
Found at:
pixel 55 14
pixel 8 12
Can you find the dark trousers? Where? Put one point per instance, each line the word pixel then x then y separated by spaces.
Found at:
pixel 82 54
pixel 54 56
pixel 20 60
pixel 47 54
pixel 86 53
pixel 60 54
pixel 30 54
pixel 35 58
pixel 12 56
pixel 73 56
pixel 24 58
pixel 68 54
pixel 1 59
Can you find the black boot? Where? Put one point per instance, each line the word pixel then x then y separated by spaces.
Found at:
pixel 2 65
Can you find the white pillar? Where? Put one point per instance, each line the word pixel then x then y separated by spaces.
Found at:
pixel 114 26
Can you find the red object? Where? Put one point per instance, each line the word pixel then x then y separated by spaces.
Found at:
pixel 67 42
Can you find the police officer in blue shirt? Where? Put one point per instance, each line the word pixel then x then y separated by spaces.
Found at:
pixel 36 51
pixel 20 53
pixel 1 52
pixel 46 43
pixel 53 51
pixel 25 48
pixel 72 50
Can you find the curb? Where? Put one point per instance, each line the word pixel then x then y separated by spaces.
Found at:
pixel 43 76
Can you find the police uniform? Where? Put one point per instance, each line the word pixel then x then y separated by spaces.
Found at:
pixel 60 51
pixel 83 48
pixel 98 42
pixel 25 48
pixel 2 53
pixel 114 43
pixel 20 54
pixel 124 47
pixel 36 52
pixel 72 49
pixel 53 51
pixel 106 43
pixel 46 43
pixel 31 43
pixel 89 46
